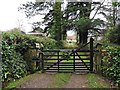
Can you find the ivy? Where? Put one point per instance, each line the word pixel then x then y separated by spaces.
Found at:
pixel 111 63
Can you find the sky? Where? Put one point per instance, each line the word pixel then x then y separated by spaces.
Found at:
pixel 9 15
pixel 11 18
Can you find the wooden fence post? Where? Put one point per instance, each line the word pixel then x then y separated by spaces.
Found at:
pixel 98 59
pixel 42 55
pixel 29 54
pixel 91 54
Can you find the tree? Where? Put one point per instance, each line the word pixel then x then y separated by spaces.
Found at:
pixel 56 27
pixel 78 17
pixel 74 12
pixel 113 24
pixel 111 14
pixel 52 19
pixel 75 16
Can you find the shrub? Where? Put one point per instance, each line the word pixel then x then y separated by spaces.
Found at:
pixel 111 63
pixel 23 41
pixel 13 65
pixel 15 47
pixel 113 35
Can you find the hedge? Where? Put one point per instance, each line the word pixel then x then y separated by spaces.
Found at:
pixel 111 63
pixel 15 47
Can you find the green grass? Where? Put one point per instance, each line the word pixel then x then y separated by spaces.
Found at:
pixel 67 59
pixel 70 45
pixel 18 82
pixel 60 79
pixel 94 81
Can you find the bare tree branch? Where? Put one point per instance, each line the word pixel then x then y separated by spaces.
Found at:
pixel 98 9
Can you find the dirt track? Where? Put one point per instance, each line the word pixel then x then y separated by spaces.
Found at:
pixel 38 81
pixel 77 81
pixel 45 80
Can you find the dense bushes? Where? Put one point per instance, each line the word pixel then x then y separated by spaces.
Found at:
pixel 111 63
pixel 113 35
pixel 111 58
pixel 13 65
pixel 23 41
pixel 15 46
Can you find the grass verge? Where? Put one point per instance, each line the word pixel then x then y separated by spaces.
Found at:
pixel 18 82
pixel 94 81
pixel 60 79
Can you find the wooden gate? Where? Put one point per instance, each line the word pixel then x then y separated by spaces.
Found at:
pixel 68 60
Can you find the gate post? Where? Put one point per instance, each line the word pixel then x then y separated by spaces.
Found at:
pixel 42 62
pixel 98 58
pixel 91 54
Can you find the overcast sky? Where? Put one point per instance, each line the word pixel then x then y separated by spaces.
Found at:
pixel 9 15
pixel 11 18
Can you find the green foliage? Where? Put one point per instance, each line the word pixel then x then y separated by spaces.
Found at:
pixel 13 65
pixel 111 63
pixel 60 79
pixel 17 83
pixel 15 47
pixel 116 3
pixel 97 23
pixel 93 81
pixel 113 26
pixel 57 21
pixel 114 35
pixel 23 41
pixel 83 23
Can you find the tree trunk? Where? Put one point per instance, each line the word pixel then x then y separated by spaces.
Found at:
pixel 80 37
pixel 57 21
pixel 85 37
pixel 58 36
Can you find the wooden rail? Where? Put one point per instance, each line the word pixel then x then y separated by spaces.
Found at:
pixel 72 61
